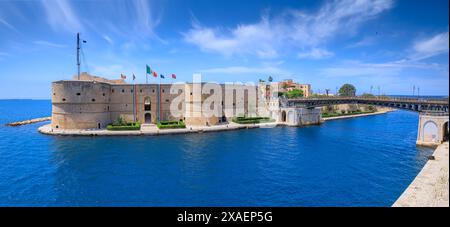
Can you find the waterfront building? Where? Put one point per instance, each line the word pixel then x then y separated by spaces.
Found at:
pixel 289 85
pixel 94 102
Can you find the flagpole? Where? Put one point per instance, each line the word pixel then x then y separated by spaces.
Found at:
pixel 134 96
pixel 159 99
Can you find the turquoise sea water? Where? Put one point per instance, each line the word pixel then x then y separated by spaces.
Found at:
pixel 367 161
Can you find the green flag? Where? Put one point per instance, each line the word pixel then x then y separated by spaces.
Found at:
pixel 149 71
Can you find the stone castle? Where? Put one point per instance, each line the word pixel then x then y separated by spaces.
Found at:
pixel 94 102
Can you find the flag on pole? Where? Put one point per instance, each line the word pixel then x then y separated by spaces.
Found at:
pixel 155 74
pixel 149 71
pixel 162 76
pixel 123 76
pixel 174 76
pixel 134 77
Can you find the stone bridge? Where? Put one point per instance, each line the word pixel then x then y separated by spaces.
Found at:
pixel 433 114
pixel 417 105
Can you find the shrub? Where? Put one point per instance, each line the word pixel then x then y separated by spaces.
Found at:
pixel 170 124
pixel 124 126
pixel 251 120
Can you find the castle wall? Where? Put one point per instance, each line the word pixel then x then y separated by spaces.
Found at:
pixel 80 104
pixel 93 104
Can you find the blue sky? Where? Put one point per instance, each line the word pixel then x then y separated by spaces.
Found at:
pixel 388 43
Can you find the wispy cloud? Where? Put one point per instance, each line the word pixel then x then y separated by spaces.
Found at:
pixel 366 41
pixel 61 16
pixel 306 32
pixel 430 47
pixel 246 70
pixel 315 53
pixel 7 25
pixel 108 39
pixel 49 44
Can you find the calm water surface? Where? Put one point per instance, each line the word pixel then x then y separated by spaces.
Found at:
pixel 365 161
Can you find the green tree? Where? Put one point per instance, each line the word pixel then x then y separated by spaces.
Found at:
pixel 294 93
pixel 347 90
pixel 367 95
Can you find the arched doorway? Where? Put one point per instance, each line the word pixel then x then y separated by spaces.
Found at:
pixel 430 132
pixel 147 104
pixel 283 116
pixel 148 118
pixel 445 131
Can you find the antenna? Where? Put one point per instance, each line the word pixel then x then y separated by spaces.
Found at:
pixel 78 54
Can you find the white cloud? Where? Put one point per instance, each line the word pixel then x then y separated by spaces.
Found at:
pixel 61 16
pixel 432 46
pixel 293 28
pixel 316 53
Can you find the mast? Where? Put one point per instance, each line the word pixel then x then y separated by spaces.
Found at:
pixel 78 54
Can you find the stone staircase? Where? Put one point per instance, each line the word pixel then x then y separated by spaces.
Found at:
pixel 149 127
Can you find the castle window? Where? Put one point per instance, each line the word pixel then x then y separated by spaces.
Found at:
pixel 153 91
pixel 103 94
pixel 112 90
pixel 131 90
pixel 54 93
pixel 93 100
pixel 57 126
pixel 191 93
pixel 167 100
pixel 123 90
pixel 163 90
pixel 78 94
pixel 64 100
pixel 108 108
pixel 140 91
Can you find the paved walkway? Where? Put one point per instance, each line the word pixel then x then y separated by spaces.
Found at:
pixel 356 115
pixel 151 129
pixel 430 187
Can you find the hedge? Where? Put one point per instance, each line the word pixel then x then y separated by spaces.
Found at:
pixel 251 120
pixel 170 124
pixel 127 126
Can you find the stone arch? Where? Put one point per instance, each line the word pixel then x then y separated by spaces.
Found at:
pixel 148 118
pixel 445 129
pixel 430 131
pixel 283 116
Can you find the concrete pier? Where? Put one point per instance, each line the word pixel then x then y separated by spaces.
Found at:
pixel 430 188
pixel 36 120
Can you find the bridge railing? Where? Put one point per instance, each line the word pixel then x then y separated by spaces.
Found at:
pixel 358 98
